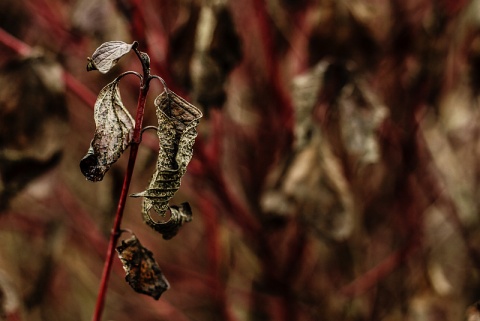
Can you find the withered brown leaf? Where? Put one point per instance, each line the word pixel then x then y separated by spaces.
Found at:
pixel 107 55
pixel 143 272
pixel 177 122
pixel 113 133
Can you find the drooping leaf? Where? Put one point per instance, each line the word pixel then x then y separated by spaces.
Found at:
pixel 107 55
pixel 143 272
pixel 113 133
pixel 177 122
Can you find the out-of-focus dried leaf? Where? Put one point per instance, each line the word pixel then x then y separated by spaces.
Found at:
pixel 313 181
pixel 473 312
pixel 91 17
pixel 113 134
pixel 312 178
pixel 217 51
pixel 361 113
pixel 107 55
pixel 9 301
pixel 306 91
pixel 445 246
pixel 143 272
pixel 181 47
pixel 33 121
pixel 177 122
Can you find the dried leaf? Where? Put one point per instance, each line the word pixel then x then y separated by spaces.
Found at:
pixel 177 120
pixel 361 113
pixel 178 216
pixel 217 51
pixel 473 312
pixel 9 299
pixel 31 139
pixel 143 273
pixel 107 55
pixel 312 177
pixel 113 134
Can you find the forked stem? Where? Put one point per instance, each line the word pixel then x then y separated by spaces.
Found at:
pixel 116 231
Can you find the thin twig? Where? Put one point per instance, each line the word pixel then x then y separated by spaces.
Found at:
pixel 14 44
pixel 115 233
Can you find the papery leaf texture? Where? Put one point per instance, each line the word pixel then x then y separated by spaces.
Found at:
pixel 113 133
pixel 107 55
pixel 177 122
pixel 142 271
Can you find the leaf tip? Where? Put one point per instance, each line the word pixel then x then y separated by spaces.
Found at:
pixel 91 65
pixel 90 168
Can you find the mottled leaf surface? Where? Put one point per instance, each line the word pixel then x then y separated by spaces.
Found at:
pixel 107 55
pixel 143 272
pixel 177 122
pixel 113 133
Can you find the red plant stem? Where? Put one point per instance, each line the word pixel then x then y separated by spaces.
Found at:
pixel 79 90
pixel 115 233
pixel 14 44
pixel 14 316
pixel 372 277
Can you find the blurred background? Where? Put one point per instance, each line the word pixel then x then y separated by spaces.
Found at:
pixel 336 174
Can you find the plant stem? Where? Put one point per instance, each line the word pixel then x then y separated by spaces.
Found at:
pixel 115 232
pixel 13 43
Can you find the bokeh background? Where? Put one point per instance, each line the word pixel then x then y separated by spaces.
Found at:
pixel 336 173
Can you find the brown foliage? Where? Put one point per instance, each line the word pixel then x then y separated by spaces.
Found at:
pixel 335 174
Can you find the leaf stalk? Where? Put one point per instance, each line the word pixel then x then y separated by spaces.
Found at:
pixel 116 231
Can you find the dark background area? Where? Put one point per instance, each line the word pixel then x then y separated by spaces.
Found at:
pixel 335 176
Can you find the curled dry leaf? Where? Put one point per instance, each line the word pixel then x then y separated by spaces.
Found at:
pixel 177 122
pixel 178 216
pixel 113 133
pixel 107 55
pixel 143 272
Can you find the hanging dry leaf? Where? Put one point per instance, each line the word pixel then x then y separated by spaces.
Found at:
pixel 177 121
pixel 143 273
pixel 113 134
pixel 107 55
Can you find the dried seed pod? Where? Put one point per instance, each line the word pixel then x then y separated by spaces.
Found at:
pixel 143 272
pixel 177 122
